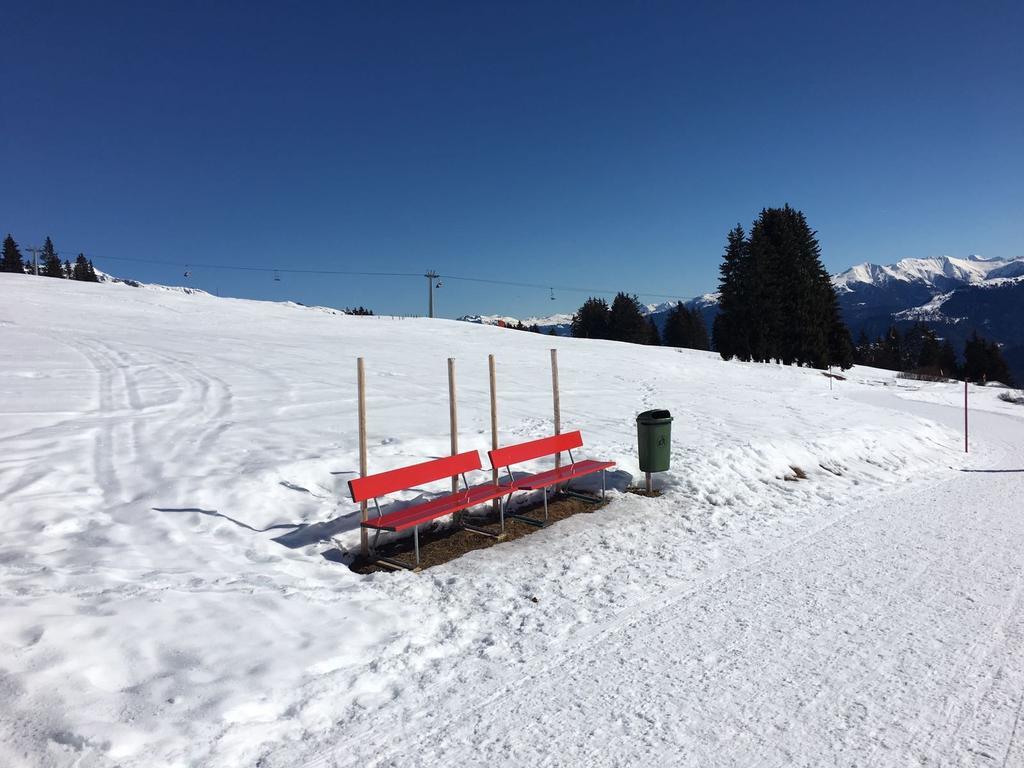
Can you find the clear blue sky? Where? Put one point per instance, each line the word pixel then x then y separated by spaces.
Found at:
pixel 607 146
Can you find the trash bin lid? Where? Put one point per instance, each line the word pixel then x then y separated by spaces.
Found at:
pixel 659 414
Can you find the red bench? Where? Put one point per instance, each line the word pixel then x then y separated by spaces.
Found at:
pixel 372 487
pixel 504 458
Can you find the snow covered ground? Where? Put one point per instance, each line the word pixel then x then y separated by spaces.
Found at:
pixel 171 466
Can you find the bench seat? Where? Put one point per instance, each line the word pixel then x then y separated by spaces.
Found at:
pixel 409 517
pixel 559 475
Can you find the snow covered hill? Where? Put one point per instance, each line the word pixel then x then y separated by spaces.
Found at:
pixel 173 466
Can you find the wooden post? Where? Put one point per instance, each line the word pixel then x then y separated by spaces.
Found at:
pixel 554 395
pixel 494 423
pixel 364 547
pixel 453 417
pixel 965 415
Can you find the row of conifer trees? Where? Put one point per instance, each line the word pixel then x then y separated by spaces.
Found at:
pixel 624 320
pixel 49 263
pixel 919 350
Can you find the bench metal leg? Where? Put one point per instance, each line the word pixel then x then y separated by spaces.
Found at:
pixel 529 520
pixel 602 483
pixel 416 543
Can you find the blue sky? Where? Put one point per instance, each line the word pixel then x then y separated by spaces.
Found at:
pixel 591 145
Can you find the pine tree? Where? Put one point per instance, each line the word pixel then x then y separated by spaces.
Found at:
pixel 591 320
pixel 976 359
pixel 984 362
pixel 66 271
pixel 653 335
pixel 890 352
pixel 92 277
pixel 929 354
pixel 81 268
pixel 51 265
pixel 626 320
pixel 947 360
pixel 776 298
pixel 11 261
pixel 731 324
pixel 685 328
pixel 997 369
pixel 863 353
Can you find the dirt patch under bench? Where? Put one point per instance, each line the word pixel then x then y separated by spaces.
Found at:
pixel 444 544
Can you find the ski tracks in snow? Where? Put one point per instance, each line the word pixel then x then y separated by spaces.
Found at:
pixel 148 397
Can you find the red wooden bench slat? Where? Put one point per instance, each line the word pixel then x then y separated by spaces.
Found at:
pixel 562 474
pixel 534 449
pixel 417 514
pixel 383 483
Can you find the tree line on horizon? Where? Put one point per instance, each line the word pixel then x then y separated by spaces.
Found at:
pixel 50 264
pixel 919 350
pixel 624 320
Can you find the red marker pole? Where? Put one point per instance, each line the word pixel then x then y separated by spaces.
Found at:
pixel 965 415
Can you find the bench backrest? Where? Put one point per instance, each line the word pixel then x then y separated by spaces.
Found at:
pixel 534 449
pixel 372 486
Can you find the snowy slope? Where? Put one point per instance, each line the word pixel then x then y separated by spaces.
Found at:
pixel 171 465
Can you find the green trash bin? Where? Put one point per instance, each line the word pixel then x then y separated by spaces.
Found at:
pixel 654 439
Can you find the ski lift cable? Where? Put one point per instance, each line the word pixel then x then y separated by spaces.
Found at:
pixel 362 273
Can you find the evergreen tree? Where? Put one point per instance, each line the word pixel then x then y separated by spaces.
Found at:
pixel 698 331
pixel 890 352
pixel 591 320
pixel 975 361
pixel 863 352
pixel 930 353
pixel 840 345
pixel 94 278
pixel 984 362
pixel 81 268
pixel 66 270
pixel 685 328
pixel 733 321
pixel 776 298
pixel 947 363
pixel 11 261
pixel 998 370
pixel 653 335
pixel 51 265
pixel 626 320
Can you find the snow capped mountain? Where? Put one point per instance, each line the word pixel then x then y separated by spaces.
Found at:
pixel 941 272
pixel 955 297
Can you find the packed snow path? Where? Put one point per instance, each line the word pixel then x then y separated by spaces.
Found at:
pixel 892 635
